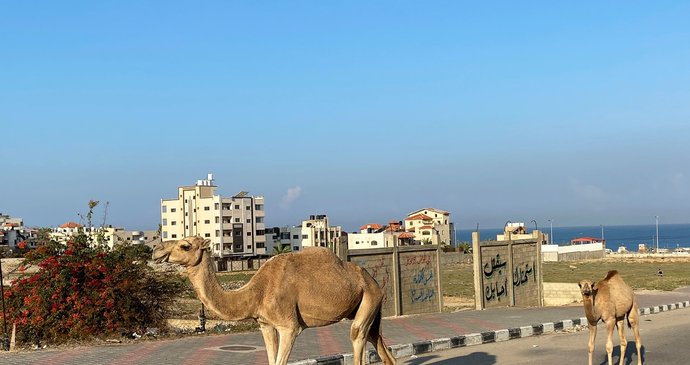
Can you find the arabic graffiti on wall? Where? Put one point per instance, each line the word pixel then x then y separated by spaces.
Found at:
pixel 420 291
pixel 498 280
pixel 379 267
pixel 495 278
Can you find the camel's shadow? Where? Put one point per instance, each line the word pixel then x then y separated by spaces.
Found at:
pixel 475 358
pixel 630 353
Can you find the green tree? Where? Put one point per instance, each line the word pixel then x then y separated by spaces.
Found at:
pixel 277 250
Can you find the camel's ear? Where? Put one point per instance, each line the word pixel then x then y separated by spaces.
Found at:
pixel 206 244
pixel 595 286
pixel 580 285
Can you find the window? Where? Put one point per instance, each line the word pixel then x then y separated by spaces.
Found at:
pixel 164 209
pixel 259 219
pixel 207 221
pixel 249 220
pixel 174 236
pixel 260 232
pixel 185 201
pixel 374 243
pixel 216 206
pixel 356 242
pixel 295 237
pixel 207 235
pixel 217 233
pixel 217 219
pixel 249 247
pixel 248 207
pixel 249 234
pixel 173 223
pixel 165 222
pixel 173 210
pixel 305 236
pixel 260 245
pixel 207 208
pixel 259 207
pixel 237 220
pixel 165 234
pixel 425 233
pixel 237 206
pixel 295 248
pixel 217 246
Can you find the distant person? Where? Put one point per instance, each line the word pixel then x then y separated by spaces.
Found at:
pixel 660 273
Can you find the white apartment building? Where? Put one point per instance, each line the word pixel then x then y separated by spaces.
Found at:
pixel 431 226
pixel 372 235
pixel 235 225
pixel 313 232
pixel 107 236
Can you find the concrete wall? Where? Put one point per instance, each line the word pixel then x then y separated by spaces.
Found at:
pixel 507 273
pixel 408 275
pixel 556 294
pixel 552 253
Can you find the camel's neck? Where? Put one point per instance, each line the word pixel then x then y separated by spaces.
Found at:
pixel 227 304
pixel 591 312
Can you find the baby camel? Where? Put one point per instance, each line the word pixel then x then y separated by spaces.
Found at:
pixel 289 293
pixel 611 300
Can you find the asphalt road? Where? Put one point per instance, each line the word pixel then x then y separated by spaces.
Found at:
pixel 665 340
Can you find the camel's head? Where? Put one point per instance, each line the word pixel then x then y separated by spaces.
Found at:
pixel 587 288
pixel 186 252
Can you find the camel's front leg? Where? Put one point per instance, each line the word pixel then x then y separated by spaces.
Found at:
pixel 270 340
pixel 624 342
pixel 590 344
pixel 286 338
pixel 610 324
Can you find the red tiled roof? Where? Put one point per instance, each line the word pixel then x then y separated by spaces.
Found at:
pixel 419 216
pixel 70 225
pixel 370 225
pixel 406 235
pixel 426 227
pixel 586 239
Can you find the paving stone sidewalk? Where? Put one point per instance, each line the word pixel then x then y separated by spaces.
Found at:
pixel 330 345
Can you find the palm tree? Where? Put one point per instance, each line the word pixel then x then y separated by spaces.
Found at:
pixel 277 250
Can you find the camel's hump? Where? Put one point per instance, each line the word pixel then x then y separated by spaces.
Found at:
pixel 611 274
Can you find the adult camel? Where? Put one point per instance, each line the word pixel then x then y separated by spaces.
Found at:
pixel 289 293
pixel 611 300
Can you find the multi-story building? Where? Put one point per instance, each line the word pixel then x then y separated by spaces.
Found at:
pixel 234 225
pixel 13 232
pixel 431 226
pixel 313 232
pixel 371 235
pixel 107 236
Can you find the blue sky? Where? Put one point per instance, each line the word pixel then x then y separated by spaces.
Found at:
pixel 364 111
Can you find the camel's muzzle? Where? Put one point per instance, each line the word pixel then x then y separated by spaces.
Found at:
pixel 160 257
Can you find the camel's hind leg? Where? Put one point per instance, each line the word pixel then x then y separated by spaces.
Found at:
pixel 624 342
pixel 376 339
pixel 634 322
pixel 361 324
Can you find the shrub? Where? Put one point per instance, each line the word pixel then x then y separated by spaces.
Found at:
pixel 81 292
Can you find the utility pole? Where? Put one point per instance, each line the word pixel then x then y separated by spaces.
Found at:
pixel 657 234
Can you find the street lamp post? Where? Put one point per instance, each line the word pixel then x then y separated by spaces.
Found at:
pixel 551 232
pixel 657 234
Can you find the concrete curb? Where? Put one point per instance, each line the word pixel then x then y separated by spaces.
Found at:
pixel 473 339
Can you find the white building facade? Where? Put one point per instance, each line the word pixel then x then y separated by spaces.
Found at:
pixel 234 225
pixel 313 232
pixel 431 226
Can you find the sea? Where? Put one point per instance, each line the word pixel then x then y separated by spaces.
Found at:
pixel 671 236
